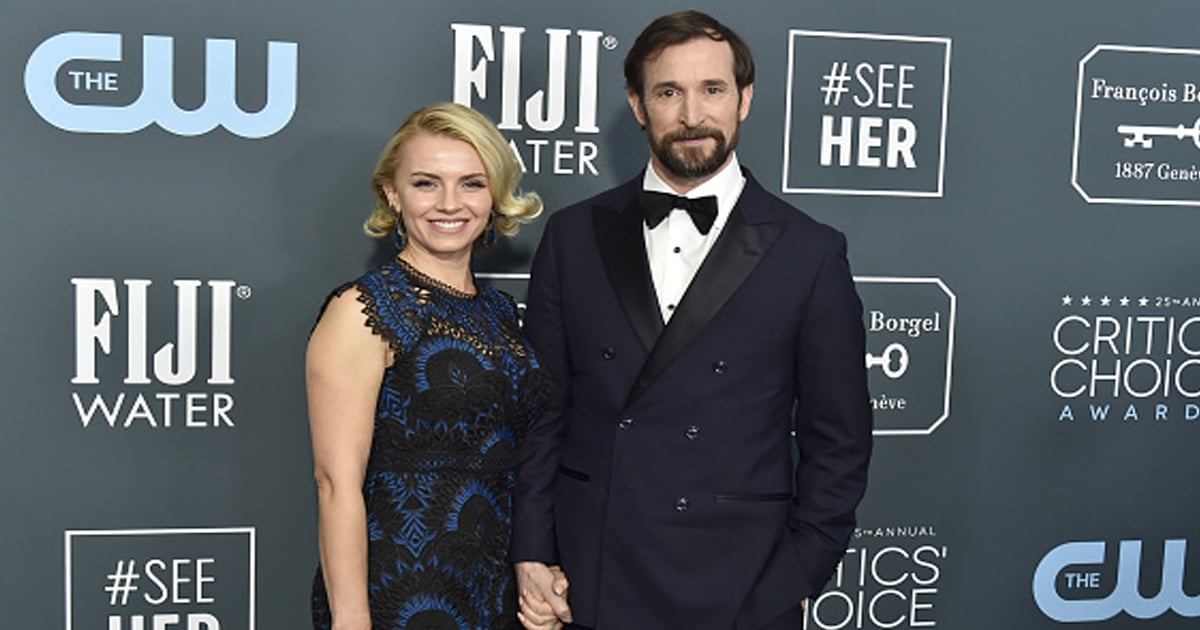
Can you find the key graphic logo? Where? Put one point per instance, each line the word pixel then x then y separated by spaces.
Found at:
pixel 910 351
pixel 1137 137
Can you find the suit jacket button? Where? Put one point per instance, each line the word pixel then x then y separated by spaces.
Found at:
pixel 719 367
pixel 692 432
pixel 625 423
pixel 681 504
pixel 608 353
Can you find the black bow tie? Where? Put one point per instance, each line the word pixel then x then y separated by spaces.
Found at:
pixel 656 206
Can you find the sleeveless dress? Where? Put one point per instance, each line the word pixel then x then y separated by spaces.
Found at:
pixel 452 408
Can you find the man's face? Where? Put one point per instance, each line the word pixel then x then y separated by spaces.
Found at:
pixel 691 108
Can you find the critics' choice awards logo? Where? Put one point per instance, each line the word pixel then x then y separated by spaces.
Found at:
pixel 1078 582
pixel 79 82
pixel 1137 134
pixel 551 128
pixel 1127 360
pixel 888 579
pixel 117 322
pixel 910 351
pixel 866 114
pixel 154 579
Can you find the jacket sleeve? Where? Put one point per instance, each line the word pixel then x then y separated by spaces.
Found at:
pixel 832 433
pixel 832 422
pixel 533 513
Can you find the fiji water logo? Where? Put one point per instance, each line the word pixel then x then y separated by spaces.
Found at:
pixel 118 323
pixel 1086 592
pixel 156 102
pixel 552 128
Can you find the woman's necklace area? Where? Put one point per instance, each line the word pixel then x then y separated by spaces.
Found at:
pixel 434 282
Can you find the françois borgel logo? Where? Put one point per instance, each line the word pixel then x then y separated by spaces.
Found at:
pixel 154 579
pixel 866 114
pixel 1137 134
pixel 78 82
pixel 889 578
pixel 168 389
pixel 910 351
pixel 1126 360
pixel 551 129
pixel 1076 582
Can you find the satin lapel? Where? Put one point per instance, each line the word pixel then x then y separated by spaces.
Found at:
pixel 623 250
pixel 737 250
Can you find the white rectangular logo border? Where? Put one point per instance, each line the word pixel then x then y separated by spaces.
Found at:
pixel 787 116
pixel 68 534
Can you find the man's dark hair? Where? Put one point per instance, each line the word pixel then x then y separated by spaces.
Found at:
pixel 677 28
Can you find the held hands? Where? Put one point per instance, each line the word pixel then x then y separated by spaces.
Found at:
pixel 543 598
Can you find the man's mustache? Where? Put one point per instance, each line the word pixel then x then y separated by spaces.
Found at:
pixel 696 133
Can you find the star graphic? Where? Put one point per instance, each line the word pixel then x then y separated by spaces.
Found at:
pixel 1124 300
pixel 1086 300
pixel 1105 301
pixel 1066 300
pixel 1143 302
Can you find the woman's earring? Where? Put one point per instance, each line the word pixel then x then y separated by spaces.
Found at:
pixel 398 231
pixel 489 238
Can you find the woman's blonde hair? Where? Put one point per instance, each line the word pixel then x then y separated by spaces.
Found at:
pixel 509 206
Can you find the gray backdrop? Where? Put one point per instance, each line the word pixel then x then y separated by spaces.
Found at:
pixel 1018 182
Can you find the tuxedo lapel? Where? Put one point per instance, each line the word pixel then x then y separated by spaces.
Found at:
pixel 739 247
pixel 623 250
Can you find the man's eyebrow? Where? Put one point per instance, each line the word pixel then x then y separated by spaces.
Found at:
pixel 675 84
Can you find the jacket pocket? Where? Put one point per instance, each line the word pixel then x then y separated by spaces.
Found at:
pixel 573 474
pixel 752 497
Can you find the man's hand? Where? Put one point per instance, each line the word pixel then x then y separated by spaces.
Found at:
pixel 543 596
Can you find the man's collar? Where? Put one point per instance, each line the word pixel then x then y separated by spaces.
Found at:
pixel 724 181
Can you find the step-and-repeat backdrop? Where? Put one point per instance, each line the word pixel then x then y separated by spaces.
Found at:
pixel 182 184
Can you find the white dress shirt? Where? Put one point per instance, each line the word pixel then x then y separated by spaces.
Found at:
pixel 675 248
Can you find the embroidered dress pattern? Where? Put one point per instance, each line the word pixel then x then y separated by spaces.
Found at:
pixel 454 404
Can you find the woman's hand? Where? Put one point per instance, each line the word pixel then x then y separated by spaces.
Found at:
pixel 543 596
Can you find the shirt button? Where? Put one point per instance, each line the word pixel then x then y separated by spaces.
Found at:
pixel 625 423
pixel 677 249
pixel 719 367
pixel 670 307
pixel 692 432
pixel 608 353
pixel 681 504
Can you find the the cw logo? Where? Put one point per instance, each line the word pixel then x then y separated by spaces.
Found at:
pixel 156 103
pixel 1126 595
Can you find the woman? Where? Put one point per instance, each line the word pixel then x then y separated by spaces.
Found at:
pixel 419 389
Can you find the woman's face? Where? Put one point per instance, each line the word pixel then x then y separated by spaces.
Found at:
pixel 442 190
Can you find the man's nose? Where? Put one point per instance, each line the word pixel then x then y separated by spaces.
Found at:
pixel 691 111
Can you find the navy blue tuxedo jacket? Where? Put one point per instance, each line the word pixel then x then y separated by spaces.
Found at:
pixel 662 478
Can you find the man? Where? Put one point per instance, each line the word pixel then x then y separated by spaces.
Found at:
pixel 688 350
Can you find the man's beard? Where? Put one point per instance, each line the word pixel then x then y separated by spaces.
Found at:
pixel 691 163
